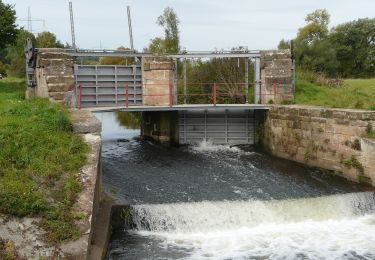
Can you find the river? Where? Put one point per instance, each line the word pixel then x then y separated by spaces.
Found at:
pixel 221 202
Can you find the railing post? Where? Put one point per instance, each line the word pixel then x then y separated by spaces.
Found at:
pixel 126 95
pixel 170 94
pixel 214 93
pixel 79 96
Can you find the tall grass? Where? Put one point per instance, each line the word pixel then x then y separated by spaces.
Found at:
pixel 353 93
pixel 39 157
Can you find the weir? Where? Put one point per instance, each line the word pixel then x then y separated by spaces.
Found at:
pixel 149 84
pixel 219 202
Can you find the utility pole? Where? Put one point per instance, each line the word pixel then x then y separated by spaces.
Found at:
pixel 72 25
pixel 30 21
pixel 130 28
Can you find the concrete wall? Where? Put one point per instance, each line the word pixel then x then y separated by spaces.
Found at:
pixel 276 77
pixel 160 126
pixel 54 77
pixel 327 138
pixel 89 127
pixel 158 73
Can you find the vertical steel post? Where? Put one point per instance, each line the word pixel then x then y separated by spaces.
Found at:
pixel 184 72
pixel 126 95
pixel 79 96
pixel 214 98
pixel 247 80
pixel 257 89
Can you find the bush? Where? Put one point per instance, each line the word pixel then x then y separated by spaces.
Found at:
pixel 320 79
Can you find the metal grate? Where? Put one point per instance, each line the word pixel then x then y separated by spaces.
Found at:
pixel 105 85
pixel 219 127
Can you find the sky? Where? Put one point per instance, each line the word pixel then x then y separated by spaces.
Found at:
pixel 204 24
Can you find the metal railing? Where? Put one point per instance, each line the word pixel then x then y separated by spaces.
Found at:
pixel 218 93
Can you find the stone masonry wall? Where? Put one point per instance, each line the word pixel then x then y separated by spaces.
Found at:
pixel 158 73
pixel 54 76
pixel 332 139
pixel 276 77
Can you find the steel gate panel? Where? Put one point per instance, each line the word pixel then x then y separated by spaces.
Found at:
pixel 225 127
pixel 104 85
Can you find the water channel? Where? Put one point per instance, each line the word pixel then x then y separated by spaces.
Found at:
pixel 221 202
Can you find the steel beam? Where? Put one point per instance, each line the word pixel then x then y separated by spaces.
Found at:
pixel 132 54
pixel 257 97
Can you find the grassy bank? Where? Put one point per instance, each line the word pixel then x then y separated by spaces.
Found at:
pixel 354 93
pixel 39 156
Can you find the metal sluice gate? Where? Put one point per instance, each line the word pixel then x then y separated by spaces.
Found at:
pixel 108 85
pixel 218 127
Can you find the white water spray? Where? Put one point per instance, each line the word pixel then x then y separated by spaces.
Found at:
pixel 330 227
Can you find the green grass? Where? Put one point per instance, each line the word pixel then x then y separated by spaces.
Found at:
pixel 39 157
pixel 355 93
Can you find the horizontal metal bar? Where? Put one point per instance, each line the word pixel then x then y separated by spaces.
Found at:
pixel 191 55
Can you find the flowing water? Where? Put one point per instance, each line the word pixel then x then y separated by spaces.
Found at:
pixel 217 202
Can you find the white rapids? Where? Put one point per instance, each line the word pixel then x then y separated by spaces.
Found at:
pixel 330 227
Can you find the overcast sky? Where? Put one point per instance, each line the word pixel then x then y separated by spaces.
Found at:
pixel 204 24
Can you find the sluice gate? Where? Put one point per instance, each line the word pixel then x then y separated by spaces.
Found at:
pixel 218 127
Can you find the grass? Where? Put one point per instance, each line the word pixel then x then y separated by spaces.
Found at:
pixel 355 93
pixel 39 157
pixel 8 250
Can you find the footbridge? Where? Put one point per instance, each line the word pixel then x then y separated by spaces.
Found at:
pixel 174 107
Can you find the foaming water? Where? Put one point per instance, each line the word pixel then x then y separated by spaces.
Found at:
pixel 329 227
pixel 222 215
pixel 225 202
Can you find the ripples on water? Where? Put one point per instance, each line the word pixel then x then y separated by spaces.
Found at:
pixel 218 202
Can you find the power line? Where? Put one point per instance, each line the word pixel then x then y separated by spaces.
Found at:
pixel 30 21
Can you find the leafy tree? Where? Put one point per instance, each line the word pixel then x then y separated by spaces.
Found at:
pixel 156 46
pixel 313 50
pixel 47 40
pixel 355 46
pixel 169 22
pixel 8 27
pixel 16 54
pixel 171 41
pixel 117 60
pixel 283 45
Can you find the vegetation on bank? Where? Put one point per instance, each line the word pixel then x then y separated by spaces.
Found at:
pixel 352 93
pixel 8 250
pixel 39 157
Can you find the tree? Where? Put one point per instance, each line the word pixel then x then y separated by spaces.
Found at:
pixel 16 54
pixel 355 46
pixel 156 46
pixel 171 41
pixel 8 27
pixel 47 40
pixel 117 60
pixel 313 50
pixel 169 22
pixel 284 45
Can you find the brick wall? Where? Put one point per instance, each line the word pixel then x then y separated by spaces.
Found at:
pixel 332 139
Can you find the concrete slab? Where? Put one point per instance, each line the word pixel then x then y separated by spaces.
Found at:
pixel 208 107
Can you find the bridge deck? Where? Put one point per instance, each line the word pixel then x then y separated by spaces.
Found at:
pixel 208 107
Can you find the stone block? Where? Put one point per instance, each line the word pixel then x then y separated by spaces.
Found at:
pixel 57 95
pixel 85 122
pixel 59 87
